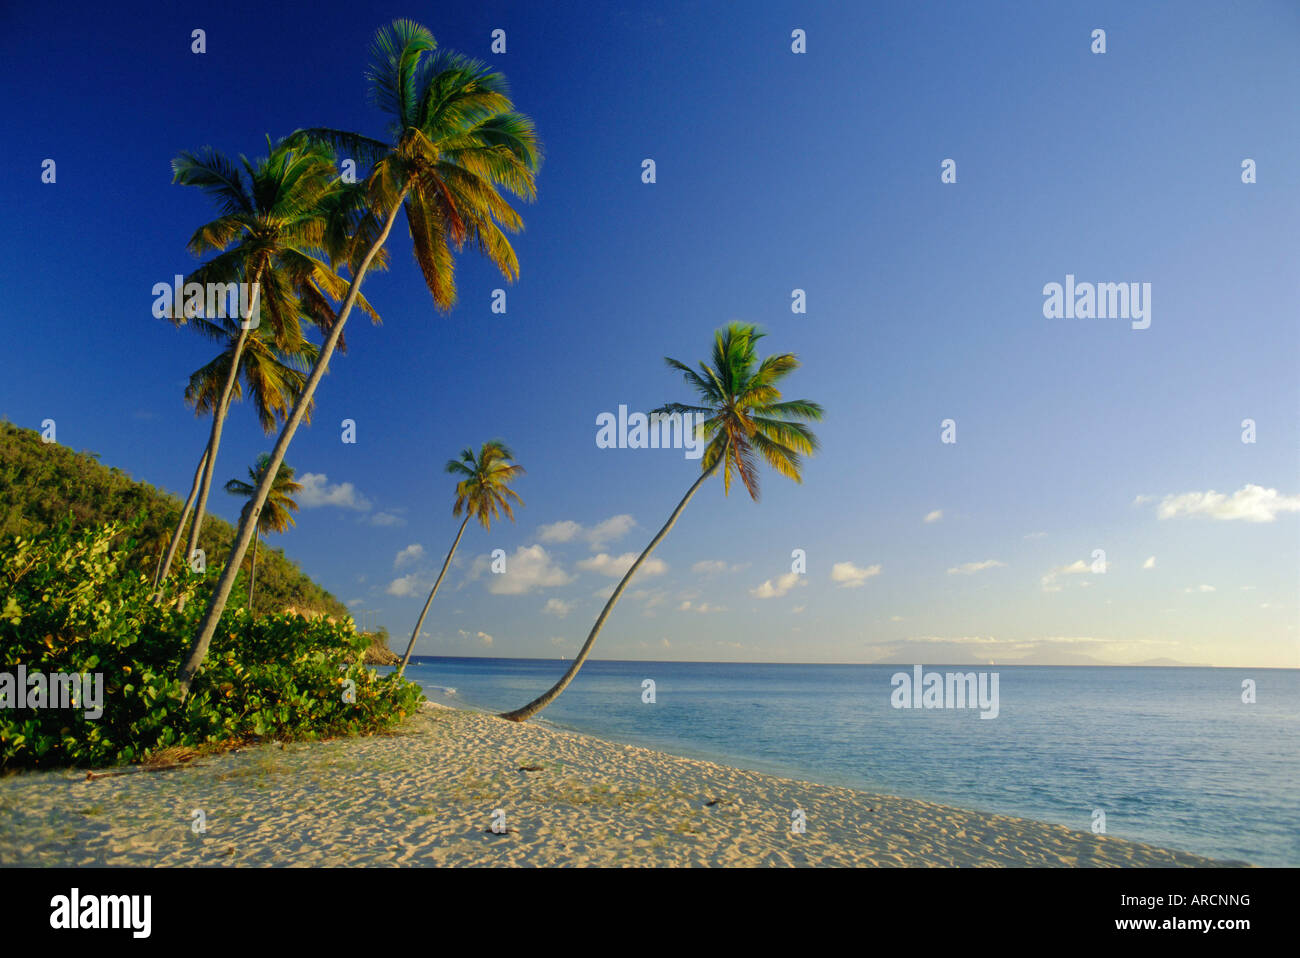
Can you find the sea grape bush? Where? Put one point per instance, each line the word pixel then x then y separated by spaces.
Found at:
pixel 70 603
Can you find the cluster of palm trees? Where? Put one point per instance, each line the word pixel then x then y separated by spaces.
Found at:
pixel 304 237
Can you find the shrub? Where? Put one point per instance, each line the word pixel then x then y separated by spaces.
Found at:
pixel 70 602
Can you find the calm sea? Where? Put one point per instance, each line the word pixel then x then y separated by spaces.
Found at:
pixel 1172 756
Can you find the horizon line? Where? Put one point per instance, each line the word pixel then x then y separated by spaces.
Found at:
pixel 1096 665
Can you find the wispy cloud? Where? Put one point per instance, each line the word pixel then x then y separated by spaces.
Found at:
pixel 775 588
pixel 714 567
pixel 1078 567
pixel 557 607
pixel 933 516
pixel 703 608
pixel 849 576
pixel 970 568
pixel 1250 503
pixel 597 536
pixel 615 566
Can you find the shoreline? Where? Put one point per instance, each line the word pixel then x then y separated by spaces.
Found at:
pixel 428 793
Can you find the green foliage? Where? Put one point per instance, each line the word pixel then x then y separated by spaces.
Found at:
pixel 42 484
pixel 71 602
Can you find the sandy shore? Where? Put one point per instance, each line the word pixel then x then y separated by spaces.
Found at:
pixel 426 795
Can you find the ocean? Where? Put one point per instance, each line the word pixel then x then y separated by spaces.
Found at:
pixel 1171 756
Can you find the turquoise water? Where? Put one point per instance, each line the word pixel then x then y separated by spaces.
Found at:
pixel 1172 756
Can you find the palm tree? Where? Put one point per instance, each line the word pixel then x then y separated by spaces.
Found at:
pixel 456 142
pixel 274 216
pixel 744 417
pixel 273 377
pixel 481 494
pixel 275 515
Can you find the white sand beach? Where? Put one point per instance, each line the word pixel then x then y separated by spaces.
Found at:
pixel 426 795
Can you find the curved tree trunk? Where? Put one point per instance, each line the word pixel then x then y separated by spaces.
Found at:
pixel 252 574
pixel 198 649
pixel 539 703
pixel 429 601
pixel 165 565
pixel 218 422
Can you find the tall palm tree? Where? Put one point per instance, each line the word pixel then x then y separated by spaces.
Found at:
pixel 482 493
pixel 273 377
pixel 276 513
pixel 275 215
pixel 455 143
pixel 745 417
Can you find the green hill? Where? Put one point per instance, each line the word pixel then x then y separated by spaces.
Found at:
pixel 41 484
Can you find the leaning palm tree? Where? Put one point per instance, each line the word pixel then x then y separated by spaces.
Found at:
pixel 273 377
pixel 455 144
pixel 275 515
pixel 745 417
pixel 275 216
pixel 482 493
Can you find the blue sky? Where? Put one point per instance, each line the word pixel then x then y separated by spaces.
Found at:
pixel 775 171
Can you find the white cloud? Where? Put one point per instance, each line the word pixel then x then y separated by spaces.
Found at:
pixel 850 576
pixel 408 555
pixel 565 531
pixel 317 491
pixel 775 588
pixel 598 536
pixel 616 566
pixel 386 519
pixel 612 529
pixel 557 607
pixel 1036 535
pixel 484 638
pixel 970 568
pixel 1250 503
pixel 709 567
pixel 1150 563
pixel 798 608
pixel 413 584
pixel 702 607
pixel 1078 567
pixel 934 516
pixel 529 568
pixel 1201 588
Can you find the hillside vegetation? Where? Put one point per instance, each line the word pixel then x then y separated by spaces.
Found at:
pixel 42 484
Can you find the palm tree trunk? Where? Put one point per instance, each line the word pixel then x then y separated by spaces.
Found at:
pixel 429 601
pixel 539 703
pixel 252 574
pixel 218 421
pixel 165 565
pixel 198 649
